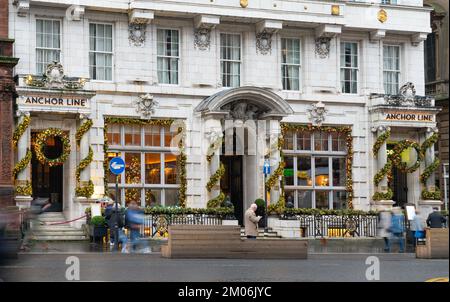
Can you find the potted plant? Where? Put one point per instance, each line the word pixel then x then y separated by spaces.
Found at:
pixel 97 227
pixel 261 211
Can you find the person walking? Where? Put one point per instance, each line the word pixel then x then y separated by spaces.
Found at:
pixel 134 218
pixel 384 225
pixel 435 220
pixel 251 222
pixel 398 227
pixel 417 227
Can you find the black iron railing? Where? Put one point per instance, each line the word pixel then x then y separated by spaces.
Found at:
pixel 157 225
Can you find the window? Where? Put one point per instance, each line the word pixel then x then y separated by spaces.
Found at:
pixel 230 59
pixel 349 67
pixel 168 54
pixel 48 43
pixel 388 1
pixel 430 58
pixel 391 69
pixel 290 64
pixel 151 174
pixel 315 172
pixel 100 51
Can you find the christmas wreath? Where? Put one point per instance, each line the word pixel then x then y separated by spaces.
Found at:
pixel 41 141
pixel 397 159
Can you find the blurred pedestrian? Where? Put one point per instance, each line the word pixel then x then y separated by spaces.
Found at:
pixel 384 225
pixel 134 219
pixel 417 227
pixel 398 227
pixel 251 222
pixel 435 220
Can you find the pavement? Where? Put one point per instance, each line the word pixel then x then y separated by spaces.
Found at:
pixel 333 260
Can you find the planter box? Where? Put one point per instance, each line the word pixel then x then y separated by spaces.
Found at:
pixel 96 232
pixel 230 222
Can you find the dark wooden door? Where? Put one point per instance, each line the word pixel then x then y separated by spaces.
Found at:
pixel 47 181
pixel 232 184
pixel 400 187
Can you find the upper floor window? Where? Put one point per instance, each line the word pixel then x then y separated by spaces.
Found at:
pixel 388 1
pixel 168 54
pixel 290 63
pixel 230 59
pixel 430 58
pixel 100 51
pixel 48 43
pixel 391 68
pixel 349 67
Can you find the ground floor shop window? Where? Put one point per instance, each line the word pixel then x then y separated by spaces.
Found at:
pixel 151 175
pixel 315 173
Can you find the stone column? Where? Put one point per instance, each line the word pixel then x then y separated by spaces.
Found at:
pixel 213 132
pixel 275 158
pixel 23 177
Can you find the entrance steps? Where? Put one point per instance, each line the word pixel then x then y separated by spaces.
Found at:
pixel 270 234
pixel 41 230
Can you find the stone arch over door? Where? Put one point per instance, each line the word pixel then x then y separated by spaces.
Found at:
pixel 244 106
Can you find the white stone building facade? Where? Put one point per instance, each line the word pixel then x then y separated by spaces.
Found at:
pixel 326 63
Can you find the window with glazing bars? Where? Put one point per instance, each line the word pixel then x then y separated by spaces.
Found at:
pixel 48 43
pixel 391 68
pixel 230 59
pixel 100 51
pixel 168 56
pixel 349 67
pixel 290 64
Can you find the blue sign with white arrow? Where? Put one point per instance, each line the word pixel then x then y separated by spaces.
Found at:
pixel 266 167
pixel 117 165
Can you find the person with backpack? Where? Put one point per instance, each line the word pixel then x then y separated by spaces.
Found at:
pixel 112 216
pixel 398 227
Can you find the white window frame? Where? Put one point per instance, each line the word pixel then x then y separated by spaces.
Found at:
pixel 288 64
pixel 231 61
pixel 169 57
pixel 46 48
pixel 142 149
pixel 399 71
pixel 312 154
pixel 102 52
pixel 357 68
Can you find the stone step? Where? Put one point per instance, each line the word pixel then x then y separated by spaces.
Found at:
pixel 59 233
pixel 58 238
pixel 50 219
pixel 52 227
pixel 48 214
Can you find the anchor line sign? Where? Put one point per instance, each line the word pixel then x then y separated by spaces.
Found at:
pixel 117 165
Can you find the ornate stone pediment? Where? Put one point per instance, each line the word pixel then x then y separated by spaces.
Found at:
pixel 54 77
pixel 317 113
pixel 244 110
pixel 146 105
pixel 407 97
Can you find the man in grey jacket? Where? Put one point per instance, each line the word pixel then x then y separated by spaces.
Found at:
pixel 251 222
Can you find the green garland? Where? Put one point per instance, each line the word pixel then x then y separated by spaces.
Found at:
pixel 383 195
pixel 181 164
pixel 273 179
pixel 84 128
pixel 380 141
pixel 215 178
pixel 277 208
pixel 85 191
pixel 26 190
pixel 84 163
pixel 426 194
pixel 216 202
pixel 20 130
pixel 41 140
pixel 397 159
pixel 22 164
pixel 385 171
pixel 213 148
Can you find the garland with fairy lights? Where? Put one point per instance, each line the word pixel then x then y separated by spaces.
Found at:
pixel 41 140
pixel 430 170
pixel 386 171
pixel 181 159
pixel 396 157
pixel 215 178
pixel 344 130
pixel 25 190
pixel 84 128
pixel 213 148
pixel 20 130
pixel 86 190
pixel 22 164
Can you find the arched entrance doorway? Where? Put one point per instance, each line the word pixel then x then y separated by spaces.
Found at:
pixel 248 121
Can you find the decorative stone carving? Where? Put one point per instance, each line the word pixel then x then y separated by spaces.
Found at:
pixel 75 13
pixel 244 3
pixel 202 38
pixel 323 47
pixel 407 97
pixel 214 135
pixel 243 111
pixel 54 78
pixel 146 105
pixel 317 113
pixel 23 7
pixel 264 42
pixel 136 33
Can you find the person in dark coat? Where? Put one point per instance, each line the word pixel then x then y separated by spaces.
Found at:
pixel 435 220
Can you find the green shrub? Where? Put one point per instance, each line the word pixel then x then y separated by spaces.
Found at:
pixel 98 221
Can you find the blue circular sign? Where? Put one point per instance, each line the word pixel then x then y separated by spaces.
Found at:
pixel 117 165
